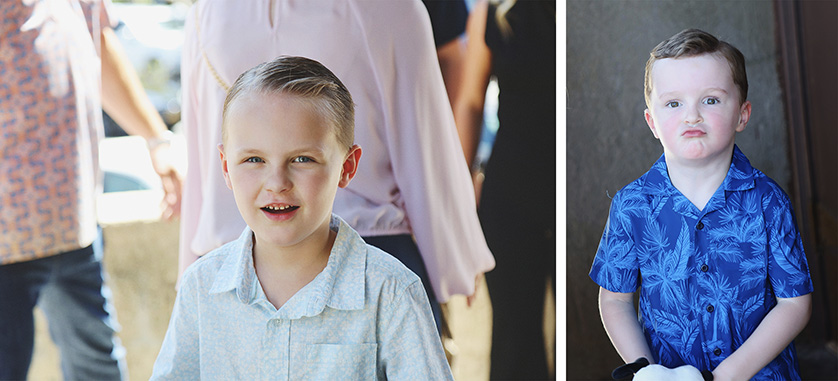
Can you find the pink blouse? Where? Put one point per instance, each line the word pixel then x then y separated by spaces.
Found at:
pixel 412 176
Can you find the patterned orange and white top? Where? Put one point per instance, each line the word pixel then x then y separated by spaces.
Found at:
pixel 50 125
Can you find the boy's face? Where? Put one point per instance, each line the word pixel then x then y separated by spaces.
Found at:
pixel 284 165
pixel 695 110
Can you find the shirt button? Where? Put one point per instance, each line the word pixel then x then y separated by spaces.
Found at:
pixel 704 268
pixel 717 351
pixel 710 308
pixel 700 225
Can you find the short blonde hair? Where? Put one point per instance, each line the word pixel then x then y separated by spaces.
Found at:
pixel 302 77
pixel 694 42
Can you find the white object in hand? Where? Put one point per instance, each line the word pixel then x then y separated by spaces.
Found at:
pixel 656 372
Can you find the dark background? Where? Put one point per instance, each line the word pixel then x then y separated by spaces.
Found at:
pixel 790 49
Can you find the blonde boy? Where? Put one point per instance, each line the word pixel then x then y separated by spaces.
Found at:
pixel 710 241
pixel 299 295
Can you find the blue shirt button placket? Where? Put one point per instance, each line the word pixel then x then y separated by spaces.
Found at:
pixel 704 268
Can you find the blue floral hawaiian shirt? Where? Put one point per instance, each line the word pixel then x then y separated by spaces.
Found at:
pixel 707 277
pixel 364 317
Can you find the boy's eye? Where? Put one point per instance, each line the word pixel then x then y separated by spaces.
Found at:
pixel 711 101
pixel 254 160
pixel 673 104
pixel 302 159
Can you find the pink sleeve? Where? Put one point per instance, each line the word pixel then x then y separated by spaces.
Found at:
pixel 192 197
pixel 429 166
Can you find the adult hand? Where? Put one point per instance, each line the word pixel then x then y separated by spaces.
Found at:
pixel 161 160
pixel 470 299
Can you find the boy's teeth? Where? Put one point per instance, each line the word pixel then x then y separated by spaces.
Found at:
pixel 277 207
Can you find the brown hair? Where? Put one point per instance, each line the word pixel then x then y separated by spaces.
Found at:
pixel 693 42
pixel 305 78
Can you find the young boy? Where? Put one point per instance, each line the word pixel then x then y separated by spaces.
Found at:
pixel 710 241
pixel 299 295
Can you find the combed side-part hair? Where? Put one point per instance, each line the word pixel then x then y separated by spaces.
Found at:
pixel 693 42
pixel 302 77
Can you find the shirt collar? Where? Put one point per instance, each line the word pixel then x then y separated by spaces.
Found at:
pixel 340 285
pixel 237 271
pixel 740 176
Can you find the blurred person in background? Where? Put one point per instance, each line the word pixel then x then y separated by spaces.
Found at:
pixel 60 64
pixel 448 22
pixel 413 198
pixel 515 42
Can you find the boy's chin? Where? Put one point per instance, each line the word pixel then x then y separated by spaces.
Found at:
pixel 698 152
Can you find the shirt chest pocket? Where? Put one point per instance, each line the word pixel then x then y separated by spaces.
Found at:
pixel 341 361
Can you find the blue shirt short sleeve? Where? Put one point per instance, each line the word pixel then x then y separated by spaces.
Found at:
pixel 787 265
pixel 615 265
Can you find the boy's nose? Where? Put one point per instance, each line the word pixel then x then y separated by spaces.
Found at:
pixel 278 181
pixel 693 116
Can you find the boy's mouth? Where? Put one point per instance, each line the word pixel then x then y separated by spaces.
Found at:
pixel 279 209
pixel 693 133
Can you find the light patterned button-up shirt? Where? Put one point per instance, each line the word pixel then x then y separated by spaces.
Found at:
pixel 365 316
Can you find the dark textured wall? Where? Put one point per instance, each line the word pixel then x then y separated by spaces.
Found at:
pixel 609 144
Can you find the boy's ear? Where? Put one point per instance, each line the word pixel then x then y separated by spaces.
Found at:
pixel 350 166
pixel 650 122
pixel 224 166
pixel 744 116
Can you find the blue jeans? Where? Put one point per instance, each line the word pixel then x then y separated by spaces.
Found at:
pixel 69 289
pixel 404 248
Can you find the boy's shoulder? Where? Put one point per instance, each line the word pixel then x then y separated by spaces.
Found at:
pixel 380 276
pixel 379 266
pixel 389 284
pixel 746 177
pixel 650 183
pixel 208 267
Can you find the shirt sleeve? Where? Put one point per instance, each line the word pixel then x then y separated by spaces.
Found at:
pixel 615 266
pixel 788 269
pixel 410 345
pixel 179 357
pixel 192 195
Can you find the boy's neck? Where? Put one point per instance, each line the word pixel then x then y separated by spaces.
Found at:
pixel 698 181
pixel 282 271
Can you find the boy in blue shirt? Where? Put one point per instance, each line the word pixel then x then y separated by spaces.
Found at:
pixel 710 241
pixel 299 295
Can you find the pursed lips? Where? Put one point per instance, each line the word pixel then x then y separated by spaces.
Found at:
pixel 693 133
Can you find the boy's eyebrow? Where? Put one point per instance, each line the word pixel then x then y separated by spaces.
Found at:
pixel 306 150
pixel 241 151
pixel 670 93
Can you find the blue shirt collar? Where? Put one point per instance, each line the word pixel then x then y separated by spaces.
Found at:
pixel 657 185
pixel 740 176
pixel 341 284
